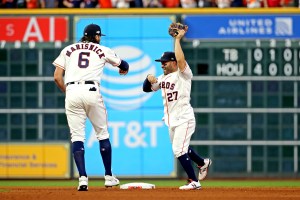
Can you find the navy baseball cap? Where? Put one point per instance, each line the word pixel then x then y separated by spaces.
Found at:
pixel 92 30
pixel 167 56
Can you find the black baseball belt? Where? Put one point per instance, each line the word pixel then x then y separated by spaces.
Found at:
pixel 82 82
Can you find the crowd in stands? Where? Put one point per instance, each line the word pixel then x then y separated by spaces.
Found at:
pixel 31 4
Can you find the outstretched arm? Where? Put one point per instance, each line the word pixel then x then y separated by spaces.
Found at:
pixel 178 50
pixel 123 67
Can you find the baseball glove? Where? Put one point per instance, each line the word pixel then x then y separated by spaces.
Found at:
pixel 174 27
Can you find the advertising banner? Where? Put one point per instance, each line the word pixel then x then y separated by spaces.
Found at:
pixel 38 160
pixel 38 29
pixel 222 27
pixel 139 138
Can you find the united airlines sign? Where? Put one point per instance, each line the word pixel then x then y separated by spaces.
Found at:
pixel 243 27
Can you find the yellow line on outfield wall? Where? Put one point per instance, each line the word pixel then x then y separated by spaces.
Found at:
pixel 145 11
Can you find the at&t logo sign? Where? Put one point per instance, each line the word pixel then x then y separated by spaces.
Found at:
pixel 125 93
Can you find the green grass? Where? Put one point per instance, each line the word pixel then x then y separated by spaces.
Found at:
pixel 158 183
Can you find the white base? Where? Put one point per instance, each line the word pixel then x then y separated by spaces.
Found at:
pixel 137 186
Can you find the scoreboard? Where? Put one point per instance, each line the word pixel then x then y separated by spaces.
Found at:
pixel 249 58
pixel 267 68
pixel 270 61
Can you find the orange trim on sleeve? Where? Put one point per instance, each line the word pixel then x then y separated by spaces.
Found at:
pixel 57 65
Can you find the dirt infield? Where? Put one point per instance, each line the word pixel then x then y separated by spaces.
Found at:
pixel 98 193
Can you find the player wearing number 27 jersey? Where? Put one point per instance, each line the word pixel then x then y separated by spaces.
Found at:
pixel 78 72
pixel 176 89
pixel 175 84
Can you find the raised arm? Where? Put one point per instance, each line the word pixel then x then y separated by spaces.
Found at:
pixel 181 63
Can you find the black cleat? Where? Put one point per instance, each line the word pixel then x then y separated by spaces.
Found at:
pixel 83 184
pixel 83 188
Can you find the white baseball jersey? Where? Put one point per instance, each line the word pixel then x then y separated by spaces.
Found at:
pixel 176 90
pixel 85 61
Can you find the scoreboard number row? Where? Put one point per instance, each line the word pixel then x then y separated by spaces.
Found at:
pixel 287 55
pixel 273 69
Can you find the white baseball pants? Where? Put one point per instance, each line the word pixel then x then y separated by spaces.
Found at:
pixel 81 103
pixel 181 136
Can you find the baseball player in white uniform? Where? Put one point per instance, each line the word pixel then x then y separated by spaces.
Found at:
pixel 175 84
pixel 78 72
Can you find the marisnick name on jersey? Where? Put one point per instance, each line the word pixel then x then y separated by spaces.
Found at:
pixel 88 46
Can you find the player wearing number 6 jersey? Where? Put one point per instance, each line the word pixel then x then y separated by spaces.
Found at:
pixel 175 84
pixel 78 72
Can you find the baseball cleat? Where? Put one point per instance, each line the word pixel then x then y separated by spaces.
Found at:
pixel 83 184
pixel 111 181
pixel 191 185
pixel 203 170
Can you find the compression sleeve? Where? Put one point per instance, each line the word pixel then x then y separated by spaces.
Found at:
pixel 124 65
pixel 147 86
